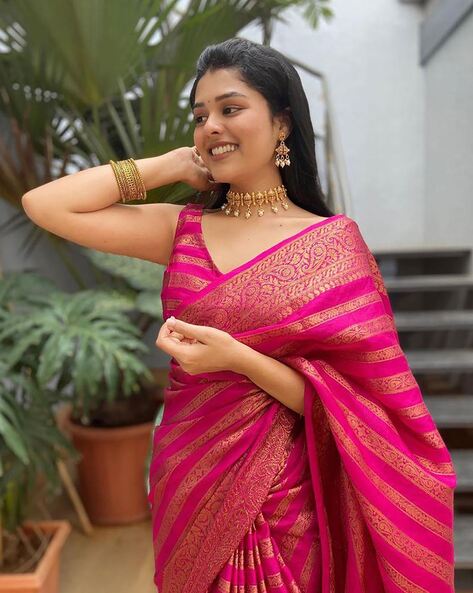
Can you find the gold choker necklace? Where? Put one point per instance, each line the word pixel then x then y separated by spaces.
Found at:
pixel 236 200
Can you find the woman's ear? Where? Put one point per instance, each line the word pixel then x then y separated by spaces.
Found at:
pixel 286 121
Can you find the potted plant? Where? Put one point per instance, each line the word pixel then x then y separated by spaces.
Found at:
pixel 30 448
pixel 89 350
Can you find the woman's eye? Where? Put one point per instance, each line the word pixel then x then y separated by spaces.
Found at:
pixel 197 118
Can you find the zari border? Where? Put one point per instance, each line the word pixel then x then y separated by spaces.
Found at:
pixel 234 517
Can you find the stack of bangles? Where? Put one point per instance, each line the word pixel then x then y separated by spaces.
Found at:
pixel 129 180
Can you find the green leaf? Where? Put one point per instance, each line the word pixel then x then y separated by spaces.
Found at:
pixel 149 302
pixel 56 348
pixel 139 274
pixel 14 441
pixel 327 12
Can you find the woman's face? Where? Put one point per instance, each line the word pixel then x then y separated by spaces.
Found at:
pixel 243 119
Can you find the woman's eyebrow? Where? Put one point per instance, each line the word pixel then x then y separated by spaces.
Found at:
pixel 221 97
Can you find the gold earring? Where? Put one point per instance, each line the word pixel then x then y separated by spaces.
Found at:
pixel 282 159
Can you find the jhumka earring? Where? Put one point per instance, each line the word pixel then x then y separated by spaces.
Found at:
pixel 282 159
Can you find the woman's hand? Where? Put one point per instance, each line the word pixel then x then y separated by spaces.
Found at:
pixel 198 348
pixel 195 173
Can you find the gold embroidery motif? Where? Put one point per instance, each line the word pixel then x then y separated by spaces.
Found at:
pixel 188 281
pixel 284 280
pixel 201 468
pixel 399 579
pixel 356 332
pixel 394 496
pixel 394 383
pixel 369 356
pixel 190 239
pixel 226 522
pixel 415 551
pixel 379 282
pixel 337 377
pixel 356 528
pixel 381 447
pixel 185 258
pixel 275 288
pixel 309 323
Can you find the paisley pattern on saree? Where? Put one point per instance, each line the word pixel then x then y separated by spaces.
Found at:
pixel 270 289
pixel 247 496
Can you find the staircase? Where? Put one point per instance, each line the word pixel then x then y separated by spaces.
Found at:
pixel 431 292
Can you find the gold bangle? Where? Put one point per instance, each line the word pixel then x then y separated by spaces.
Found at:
pixel 137 183
pixel 129 180
pixel 119 171
pixel 134 182
pixel 120 180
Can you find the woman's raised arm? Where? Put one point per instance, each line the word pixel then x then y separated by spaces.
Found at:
pixel 82 207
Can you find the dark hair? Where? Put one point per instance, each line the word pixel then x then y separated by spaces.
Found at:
pixel 270 73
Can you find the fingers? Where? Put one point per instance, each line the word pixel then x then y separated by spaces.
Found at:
pixel 198 159
pixel 180 337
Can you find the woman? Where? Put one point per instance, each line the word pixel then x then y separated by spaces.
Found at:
pixel 295 453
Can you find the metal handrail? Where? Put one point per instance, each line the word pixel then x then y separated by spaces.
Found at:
pixel 338 191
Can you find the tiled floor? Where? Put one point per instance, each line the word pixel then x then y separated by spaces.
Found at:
pixel 111 560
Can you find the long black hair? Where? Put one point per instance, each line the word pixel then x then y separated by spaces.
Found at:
pixel 270 73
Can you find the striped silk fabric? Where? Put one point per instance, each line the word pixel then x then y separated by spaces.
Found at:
pixel 356 495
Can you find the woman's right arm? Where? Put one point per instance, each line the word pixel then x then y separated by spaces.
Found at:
pixel 82 207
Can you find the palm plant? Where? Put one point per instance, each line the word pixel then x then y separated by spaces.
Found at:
pixel 82 82
pixel 85 81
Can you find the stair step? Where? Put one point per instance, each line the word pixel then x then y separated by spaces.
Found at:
pixel 463 462
pixel 428 282
pixel 433 320
pixel 451 411
pixel 415 252
pixel 440 361
pixel 463 540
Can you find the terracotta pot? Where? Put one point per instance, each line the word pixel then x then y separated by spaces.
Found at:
pixel 112 471
pixel 45 579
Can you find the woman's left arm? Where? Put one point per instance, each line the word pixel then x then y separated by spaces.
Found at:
pixel 200 349
pixel 276 378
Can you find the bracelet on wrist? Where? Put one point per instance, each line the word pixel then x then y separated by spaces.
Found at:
pixel 129 180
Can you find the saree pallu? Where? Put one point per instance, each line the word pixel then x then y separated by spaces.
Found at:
pixel 246 495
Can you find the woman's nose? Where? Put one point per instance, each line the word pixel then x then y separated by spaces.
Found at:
pixel 213 123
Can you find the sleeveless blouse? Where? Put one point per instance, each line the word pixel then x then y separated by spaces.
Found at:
pixel 190 267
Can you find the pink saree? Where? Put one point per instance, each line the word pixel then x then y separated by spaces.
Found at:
pixel 356 496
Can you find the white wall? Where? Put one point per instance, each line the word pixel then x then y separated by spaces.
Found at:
pixel 449 138
pixel 369 53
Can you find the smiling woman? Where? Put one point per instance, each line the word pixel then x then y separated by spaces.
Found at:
pixel 235 132
pixel 246 105
pixel 295 453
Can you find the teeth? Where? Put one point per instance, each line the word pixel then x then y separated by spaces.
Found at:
pixel 225 148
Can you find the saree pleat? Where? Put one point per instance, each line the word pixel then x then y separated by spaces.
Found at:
pixel 356 496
